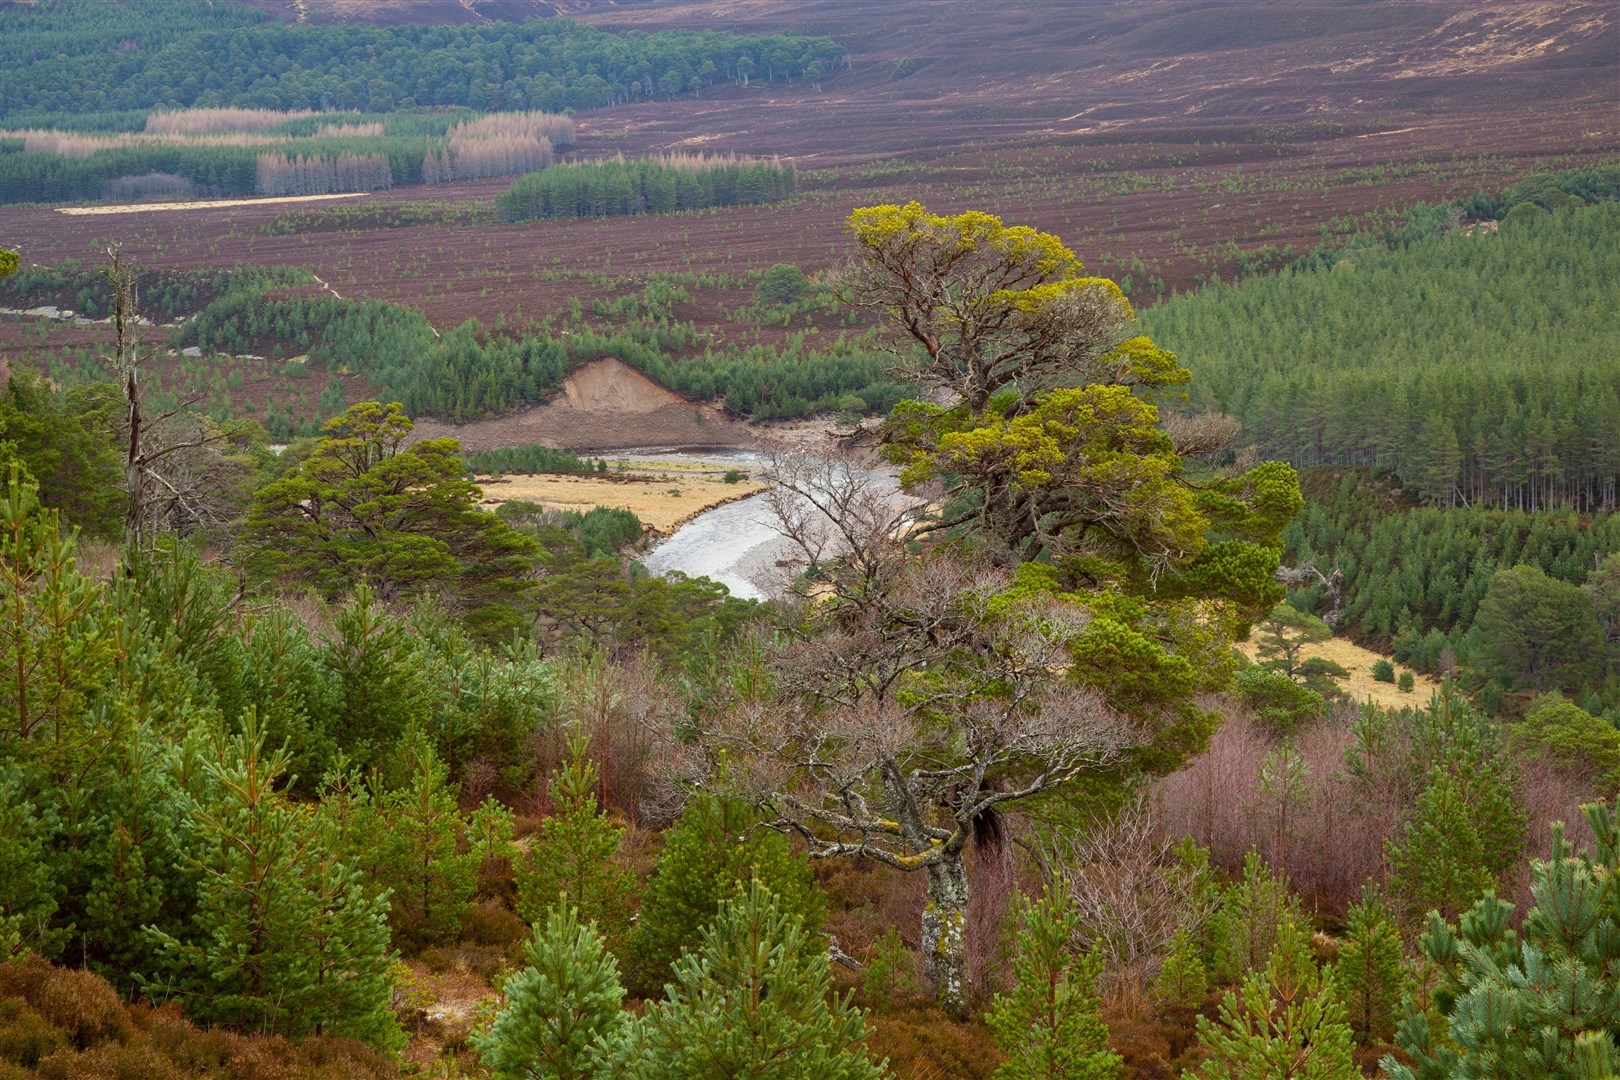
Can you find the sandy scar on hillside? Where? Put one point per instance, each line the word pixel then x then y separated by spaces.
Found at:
pixel 663 505
pixel 145 208
pixel 604 404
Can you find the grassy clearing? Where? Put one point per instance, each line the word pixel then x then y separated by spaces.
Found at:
pixel 1360 685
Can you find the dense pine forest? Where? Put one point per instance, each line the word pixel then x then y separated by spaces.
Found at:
pixel 170 54
pixel 609 188
pixel 1420 580
pixel 1475 360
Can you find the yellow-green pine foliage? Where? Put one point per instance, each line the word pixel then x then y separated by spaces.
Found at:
pixel 285 937
pixel 1183 980
pixel 710 853
pixel 562 1019
pixel 574 859
pixel 1540 1002
pixel 419 857
pixel 1285 1023
pixel 754 999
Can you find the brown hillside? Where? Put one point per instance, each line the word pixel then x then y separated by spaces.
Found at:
pixel 946 72
pixel 1164 140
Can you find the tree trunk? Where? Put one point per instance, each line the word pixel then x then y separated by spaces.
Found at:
pixel 944 934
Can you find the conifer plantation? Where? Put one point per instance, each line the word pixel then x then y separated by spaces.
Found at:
pixel 1007 673
pixel 674 182
pixel 1413 359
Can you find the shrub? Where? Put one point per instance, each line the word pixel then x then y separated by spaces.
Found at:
pixel 708 854
pixel 1050 1023
pixel 734 475
pixel 1280 703
pixel 1383 671
pixel 83 1007
pixel 754 999
pixel 1573 737
pixel 66 1024
pixel 1553 977
pixel 920 1040
pixel 561 1010
pixel 1406 682
pixel 26 1036
pixel 491 923
pixel 783 283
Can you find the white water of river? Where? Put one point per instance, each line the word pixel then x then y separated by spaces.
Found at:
pixel 734 544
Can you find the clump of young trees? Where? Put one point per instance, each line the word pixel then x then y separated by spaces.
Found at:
pixel 276 153
pixel 470 371
pixel 617 186
pixel 294 174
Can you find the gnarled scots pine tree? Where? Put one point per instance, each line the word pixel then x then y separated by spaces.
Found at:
pixel 1078 585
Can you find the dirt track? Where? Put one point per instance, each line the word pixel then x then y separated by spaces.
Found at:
pixel 203 204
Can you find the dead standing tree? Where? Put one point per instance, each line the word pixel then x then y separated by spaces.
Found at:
pixel 166 483
pixel 912 703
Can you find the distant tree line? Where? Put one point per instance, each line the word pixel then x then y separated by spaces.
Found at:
pixel 649 186
pixel 1479 366
pixel 526 459
pixel 470 370
pixel 165 295
pixel 85 56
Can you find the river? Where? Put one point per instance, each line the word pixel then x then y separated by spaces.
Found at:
pixel 735 544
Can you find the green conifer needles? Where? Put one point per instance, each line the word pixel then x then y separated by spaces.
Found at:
pixel 1048 1024
pixel 1286 1022
pixel 1543 1002
pixel 562 1018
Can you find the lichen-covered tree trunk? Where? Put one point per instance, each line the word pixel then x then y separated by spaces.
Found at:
pixel 944 933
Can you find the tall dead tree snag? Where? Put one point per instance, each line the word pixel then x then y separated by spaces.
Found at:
pixel 167 482
pixel 126 364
